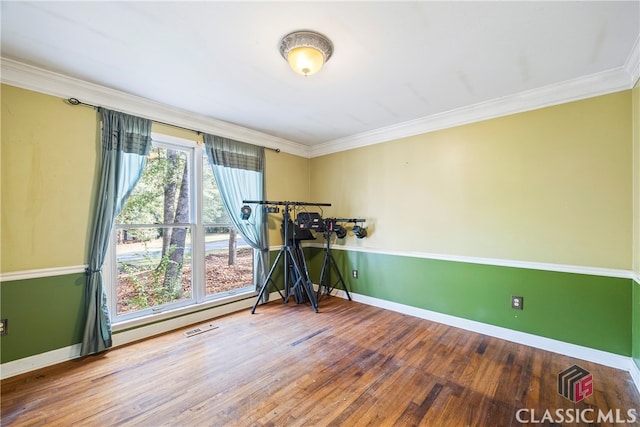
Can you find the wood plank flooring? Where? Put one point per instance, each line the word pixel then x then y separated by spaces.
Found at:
pixel 349 365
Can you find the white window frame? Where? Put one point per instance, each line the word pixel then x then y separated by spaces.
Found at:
pixel 199 300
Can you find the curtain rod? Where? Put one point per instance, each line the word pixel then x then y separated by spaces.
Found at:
pixel 76 101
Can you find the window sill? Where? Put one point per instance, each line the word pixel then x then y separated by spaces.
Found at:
pixel 181 311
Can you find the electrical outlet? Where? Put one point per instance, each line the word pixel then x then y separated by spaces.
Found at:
pixel 3 326
pixel 354 274
pixel 517 302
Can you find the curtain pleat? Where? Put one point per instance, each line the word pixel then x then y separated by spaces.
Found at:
pixel 238 168
pixel 126 141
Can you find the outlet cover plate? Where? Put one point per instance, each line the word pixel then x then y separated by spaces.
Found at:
pixel 517 302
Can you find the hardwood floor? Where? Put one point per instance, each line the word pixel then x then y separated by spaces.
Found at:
pixel 349 365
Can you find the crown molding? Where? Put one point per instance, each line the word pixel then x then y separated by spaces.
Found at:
pixel 33 78
pixel 25 76
pixel 632 65
pixel 602 83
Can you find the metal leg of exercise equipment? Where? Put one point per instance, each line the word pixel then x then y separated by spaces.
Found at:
pixel 325 286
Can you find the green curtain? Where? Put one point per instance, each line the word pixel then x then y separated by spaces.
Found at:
pixel 126 141
pixel 239 171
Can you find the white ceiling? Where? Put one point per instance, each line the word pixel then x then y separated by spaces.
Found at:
pixel 393 62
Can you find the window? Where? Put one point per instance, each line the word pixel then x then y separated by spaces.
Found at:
pixel 173 244
pixel 228 260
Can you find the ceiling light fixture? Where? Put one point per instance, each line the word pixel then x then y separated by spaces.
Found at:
pixel 306 51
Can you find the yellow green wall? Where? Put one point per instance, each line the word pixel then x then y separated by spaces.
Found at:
pixel 177 132
pixel 636 177
pixel 287 180
pixel 636 223
pixel 49 163
pixel 49 155
pixel 550 185
pixel 543 186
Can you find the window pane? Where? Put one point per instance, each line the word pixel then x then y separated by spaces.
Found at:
pixel 154 267
pixel 228 267
pixel 154 243
pixel 162 194
pixel 213 211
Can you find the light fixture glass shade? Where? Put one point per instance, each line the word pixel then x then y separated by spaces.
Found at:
pixel 305 60
pixel 306 51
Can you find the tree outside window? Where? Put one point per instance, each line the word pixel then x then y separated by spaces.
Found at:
pixel 174 245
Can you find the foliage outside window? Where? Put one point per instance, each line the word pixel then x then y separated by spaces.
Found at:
pixel 173 243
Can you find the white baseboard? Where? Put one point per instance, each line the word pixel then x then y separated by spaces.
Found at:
pixel 39 361
pixel 617 361
pixel 65 354
pixel 572 350
pixel 635 374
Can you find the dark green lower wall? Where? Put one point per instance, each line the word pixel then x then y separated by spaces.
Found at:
pixel 599 312
pixel 47 314
pixel 591 311
pixel 44 314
